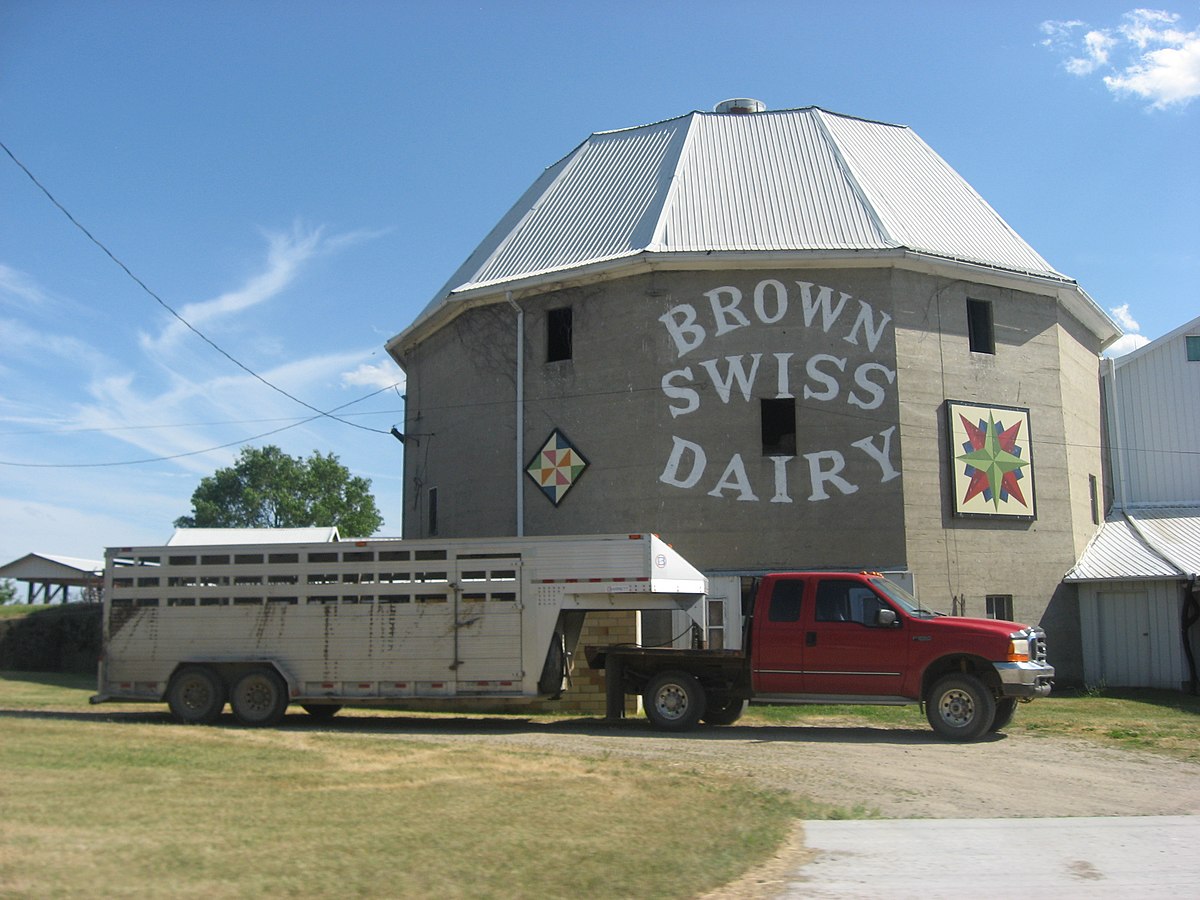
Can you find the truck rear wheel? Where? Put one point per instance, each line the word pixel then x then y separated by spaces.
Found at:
pixel 674 701
pixel 960 708
pixel 724 711
pixel 196 695
pixel 259 698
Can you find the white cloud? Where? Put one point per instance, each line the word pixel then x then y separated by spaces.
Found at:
pixel 382 374
pixel 1129 341
pixel 1123 318
pixel 15 284
pixel 1126 344
pixel 1146 55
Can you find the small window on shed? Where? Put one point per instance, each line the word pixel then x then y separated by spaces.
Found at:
pixel 559 335
pixel 1193 347
pixel 778 427
pixel 980 331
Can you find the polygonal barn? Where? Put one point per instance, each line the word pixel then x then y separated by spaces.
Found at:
pixel 783 340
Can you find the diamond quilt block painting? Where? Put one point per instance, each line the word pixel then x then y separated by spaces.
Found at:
pixel 556 467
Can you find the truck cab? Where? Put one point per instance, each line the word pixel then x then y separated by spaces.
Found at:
pixel 828 637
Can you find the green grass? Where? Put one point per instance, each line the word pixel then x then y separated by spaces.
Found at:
pixel 1166 723
pixel 16 610
pixel 118 800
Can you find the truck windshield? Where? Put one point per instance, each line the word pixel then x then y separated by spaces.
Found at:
pixel 903 599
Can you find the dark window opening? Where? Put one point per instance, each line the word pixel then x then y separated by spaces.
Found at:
pixel 779 427
pixel 433 512
pixel 1094 490
pixel 980 331
pixel 1193 347
pixel 559 343
pixel 999 606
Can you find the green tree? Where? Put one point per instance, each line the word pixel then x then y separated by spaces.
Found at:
pixel 267 488
pixel 8 592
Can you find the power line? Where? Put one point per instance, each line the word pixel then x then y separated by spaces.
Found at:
pixel 153 459
pixel 245 368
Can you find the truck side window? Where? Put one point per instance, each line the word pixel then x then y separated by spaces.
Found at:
pixel 785 600
pixel 846 601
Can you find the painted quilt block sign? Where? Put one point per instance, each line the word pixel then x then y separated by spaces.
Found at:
pixel 991 460
pixel 556 467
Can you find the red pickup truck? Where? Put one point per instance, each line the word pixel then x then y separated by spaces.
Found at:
pixel 837 637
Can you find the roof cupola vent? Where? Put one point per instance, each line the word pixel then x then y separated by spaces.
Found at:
pixel 740 106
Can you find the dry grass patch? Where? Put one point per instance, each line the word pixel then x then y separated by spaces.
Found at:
pixel 139 807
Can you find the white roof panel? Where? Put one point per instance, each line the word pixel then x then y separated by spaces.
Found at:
pixel 211 537
pixel 1142 544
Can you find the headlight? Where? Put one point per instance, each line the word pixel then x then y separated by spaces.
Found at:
pixel 1018 647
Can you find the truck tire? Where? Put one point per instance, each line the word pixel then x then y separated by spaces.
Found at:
pixel 321 712
pixel 674 701
pixel 1006 708
pixel 723 711
pixel 960 708
pixel 196 695
pixel 259 697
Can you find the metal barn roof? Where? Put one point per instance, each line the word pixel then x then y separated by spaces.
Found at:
pixel 1141 544
pixel 796 182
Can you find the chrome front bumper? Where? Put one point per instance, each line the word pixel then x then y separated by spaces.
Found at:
pixel 1024 679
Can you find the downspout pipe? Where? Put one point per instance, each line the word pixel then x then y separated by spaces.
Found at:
pixel 519 414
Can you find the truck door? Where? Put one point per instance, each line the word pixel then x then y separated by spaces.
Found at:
pixel 777 648
pixel 487 624
pixel 847 651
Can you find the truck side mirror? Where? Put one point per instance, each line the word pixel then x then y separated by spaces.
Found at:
pixel 886 618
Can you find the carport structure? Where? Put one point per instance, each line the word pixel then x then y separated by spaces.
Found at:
pixel 48 576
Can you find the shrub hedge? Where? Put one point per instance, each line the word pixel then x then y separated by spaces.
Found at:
pixel 62 638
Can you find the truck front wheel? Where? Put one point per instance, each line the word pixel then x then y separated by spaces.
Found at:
pixel 196 695
pixel 960 708
pixel 1006 708
pixel 674 701
pixel 259 698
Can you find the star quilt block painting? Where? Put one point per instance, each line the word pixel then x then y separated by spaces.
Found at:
pixel 556 467
pixel 991 460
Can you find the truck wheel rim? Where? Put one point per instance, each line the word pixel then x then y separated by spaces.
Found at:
pixel 957 708
pixel 195 694
pixel 671 702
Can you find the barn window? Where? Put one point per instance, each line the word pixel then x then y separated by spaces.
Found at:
pixel 559 344
pixel 980 332
pixel 1193 347
pixel 778 427
pixel 433 512
pixel 999 606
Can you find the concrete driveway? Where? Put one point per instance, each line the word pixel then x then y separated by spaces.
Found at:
pixel 1152 856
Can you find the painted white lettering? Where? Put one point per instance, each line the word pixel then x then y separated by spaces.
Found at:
pixel 784 389
pixel 781 485
pixel 734 478
pixel 670 474
pixel 760 301
pixel 831 475
pixel 876 391
pixel 810 306
pixel 866 322
pixel 727 316
pixel 736 372
pixel 681 324
pixel 690 396
pixel 881 455
pixel 829 381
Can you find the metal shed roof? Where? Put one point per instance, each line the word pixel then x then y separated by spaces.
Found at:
pixel 207 537
pixel 785 181
pixel 1141 544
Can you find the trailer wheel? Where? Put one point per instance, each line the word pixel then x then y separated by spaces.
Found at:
pixel 674 701
pixel 259 698
pixel 1006 708
pixel 725 711
pixel 960 708
pixel 196 695
pixel 321 712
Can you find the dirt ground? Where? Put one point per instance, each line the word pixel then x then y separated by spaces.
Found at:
pixel 898 773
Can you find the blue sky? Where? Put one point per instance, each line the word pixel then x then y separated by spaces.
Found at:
pixel 298 179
